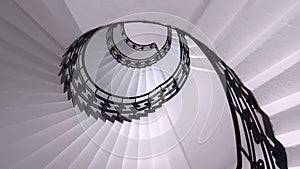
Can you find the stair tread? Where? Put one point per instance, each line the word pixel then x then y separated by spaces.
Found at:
pixel 54 148
pixel 65 158
pixel 86 155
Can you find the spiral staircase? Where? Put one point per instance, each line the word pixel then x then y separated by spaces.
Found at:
pixel 42 125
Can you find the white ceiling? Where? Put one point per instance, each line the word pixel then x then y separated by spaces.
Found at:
pixel 92 13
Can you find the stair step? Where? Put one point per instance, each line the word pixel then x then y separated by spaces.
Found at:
pixel 14 36
pixel 247 23
pixel 133 84
pixel 55 18
pixel 130 161
pixel 158 125
pixel 279 87
pixel 202 65
pixel 273 71
pixel 15 115
pixel 106 63
pixel 280 45
pixel 141 88
pixel 145 145
pixel 65 158
pixel 289 139
pixel 294 167
pixel 24 146
pixel 264 37
pixel 22 57
pixel 111 137
pixel 97 44
pixel 286 121
pixel 145 138
pixel 293 155
pixel 85 158
pixel 104 76
pixel 282 104
pixel 123 87
pixel 52 75
pixel 99 160
pixel 54 148
pixel 107 147
pixel 20 99
pixel 15 15
pixel 168 64
pixel 14 85
pixel 160 161
pixel 23 72
pixel 106 143
pixel 116 82
pixel 217 16
pixel 30 127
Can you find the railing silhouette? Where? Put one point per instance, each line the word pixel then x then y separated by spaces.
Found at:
pixel 107 106
pixel 132 62
pixel 137 46
pixel 255 140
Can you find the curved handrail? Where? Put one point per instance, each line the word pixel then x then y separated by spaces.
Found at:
pixel 251 124
pixel 75 76
pixel 248 117
pixel 132 62
pixel 133 45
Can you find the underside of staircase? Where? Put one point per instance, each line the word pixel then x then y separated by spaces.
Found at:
pixel 42 127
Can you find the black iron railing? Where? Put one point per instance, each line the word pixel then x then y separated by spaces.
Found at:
pixel 132 62
pixel 107 106
pixel 255 140
pixel 137 46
